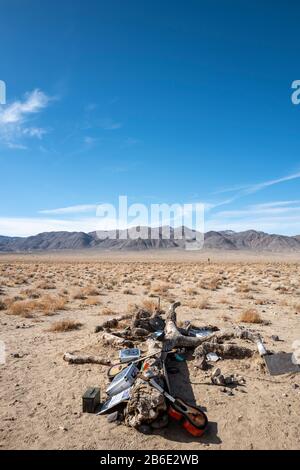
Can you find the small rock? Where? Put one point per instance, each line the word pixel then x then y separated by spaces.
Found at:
pixel 275 338
pixel 295 386
pixel 63 428
pixel 202 364
pixel 216 372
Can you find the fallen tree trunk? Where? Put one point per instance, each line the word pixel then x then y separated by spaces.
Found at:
pixel 82 359
pixel 174 338
pixel 115 340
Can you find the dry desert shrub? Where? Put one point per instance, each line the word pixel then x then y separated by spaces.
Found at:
pixel 46 285
pixel 94 300
pixel 22 308
pixel 224 300
pixel 79 294
pixel 160 288
pixel 25 308
pixel 64 325
pixel 199 303
pixel 210 283
pixel 128 292
pixel 132 307
pixel 250 316
pixel 243 288
pixel 49 304
pixel 191 291
pixel 107 311
pixel 90 291
pixel 149 305
pixel 261 302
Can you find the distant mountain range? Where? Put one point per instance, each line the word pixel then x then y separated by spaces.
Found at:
pixel 224 240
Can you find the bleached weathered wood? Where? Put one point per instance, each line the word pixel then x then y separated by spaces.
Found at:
pixel 108 338
pixel 84 359
pixel 174 338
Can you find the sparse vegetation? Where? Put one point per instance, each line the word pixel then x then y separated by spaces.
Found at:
pixel 251 316
pixel 64 325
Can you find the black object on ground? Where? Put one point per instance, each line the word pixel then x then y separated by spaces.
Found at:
pixel 90 400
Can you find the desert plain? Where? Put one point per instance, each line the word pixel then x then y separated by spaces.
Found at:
pixel 51 303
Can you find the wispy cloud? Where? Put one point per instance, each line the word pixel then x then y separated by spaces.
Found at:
pixel 130 141
pixel 79 209
pixel 276 217
pixel 253 188
pixel 246 190
pixel 258 187
pixel 15 119
pixel 90 141
pixel 109 124
pixel 267 205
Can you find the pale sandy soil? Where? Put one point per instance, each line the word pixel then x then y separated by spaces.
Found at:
pixel 40 394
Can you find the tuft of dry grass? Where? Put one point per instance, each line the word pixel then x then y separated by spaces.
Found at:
pixel 160 289
pixel 22 308
pixel 251 316
pixel 224 300
pixel 64 325
pixel 128 291
pixel 49 304
pixel 149 305
pixel 243 288
pixel 211 284
pixel 79 294
pixel 91 301
pixel 199 303
pixel 107 311
pixel 90 291
pixel 46 285
pixel 191 291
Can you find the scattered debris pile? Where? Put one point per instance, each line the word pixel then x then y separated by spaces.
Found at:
pixel 140 391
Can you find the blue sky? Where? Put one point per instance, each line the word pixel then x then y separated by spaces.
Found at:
pixel 162 101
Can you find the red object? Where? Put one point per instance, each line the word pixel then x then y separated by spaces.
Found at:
pixel 186 422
